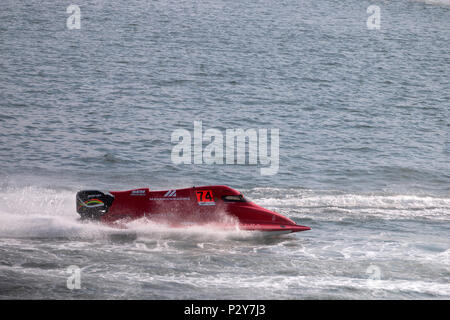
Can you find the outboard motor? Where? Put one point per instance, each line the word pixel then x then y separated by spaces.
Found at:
pixel 92 204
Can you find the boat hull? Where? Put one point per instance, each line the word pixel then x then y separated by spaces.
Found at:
pixel 206 205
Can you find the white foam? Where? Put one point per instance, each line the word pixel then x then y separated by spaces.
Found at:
pixel 44 212
pixel 435 2
pixel 363 205
pixel 34 212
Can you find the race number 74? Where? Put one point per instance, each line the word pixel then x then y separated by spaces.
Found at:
pixel 204 196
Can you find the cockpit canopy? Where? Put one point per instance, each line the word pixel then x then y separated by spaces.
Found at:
pixel 234 198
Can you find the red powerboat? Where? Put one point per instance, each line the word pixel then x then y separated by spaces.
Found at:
pixel 208 205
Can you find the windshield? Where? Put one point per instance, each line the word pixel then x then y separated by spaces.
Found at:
pixel 234 198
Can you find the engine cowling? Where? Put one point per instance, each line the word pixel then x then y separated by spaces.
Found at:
pixel 93 204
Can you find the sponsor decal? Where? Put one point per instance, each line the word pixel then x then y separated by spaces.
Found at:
pixel 94 195
pixel 138 193
pixel 170 195
pixel 92 203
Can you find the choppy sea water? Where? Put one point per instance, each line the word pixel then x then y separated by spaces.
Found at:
pixel 364 146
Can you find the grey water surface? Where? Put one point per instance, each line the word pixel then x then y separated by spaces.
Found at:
pixel 364 155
